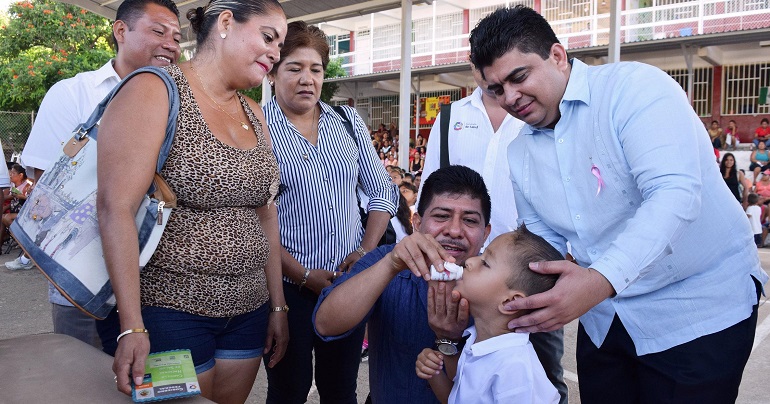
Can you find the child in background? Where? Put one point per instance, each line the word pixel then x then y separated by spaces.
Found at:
pixel 496 365
pixel 731 135
pixel 754 212
pixel 409 191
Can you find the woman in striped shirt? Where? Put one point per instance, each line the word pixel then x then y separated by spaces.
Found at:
pixel 324 155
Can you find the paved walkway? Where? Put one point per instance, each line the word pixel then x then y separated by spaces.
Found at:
pixel 24 310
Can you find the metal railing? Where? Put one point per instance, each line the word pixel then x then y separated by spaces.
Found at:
pixel 589 29
pixel 14 131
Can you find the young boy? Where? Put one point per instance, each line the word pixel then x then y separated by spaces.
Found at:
pixel 754 212
pixel 496 365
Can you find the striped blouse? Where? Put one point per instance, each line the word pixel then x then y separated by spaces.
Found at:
pixel 317 209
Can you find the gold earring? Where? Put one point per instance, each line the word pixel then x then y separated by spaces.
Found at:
pixel 223 35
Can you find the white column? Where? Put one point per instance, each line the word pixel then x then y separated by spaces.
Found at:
pixel 614 47
pixel 688 54
pixel 405 84
pixel 417 111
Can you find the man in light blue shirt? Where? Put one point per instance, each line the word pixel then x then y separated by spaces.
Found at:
pixel 666 278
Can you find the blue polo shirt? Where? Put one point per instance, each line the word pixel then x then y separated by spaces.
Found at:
pixel 398 332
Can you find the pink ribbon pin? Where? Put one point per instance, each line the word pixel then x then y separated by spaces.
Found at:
pixel 595 171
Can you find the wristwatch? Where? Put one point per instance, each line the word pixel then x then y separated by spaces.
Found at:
pixel 285 308
pixel 447 347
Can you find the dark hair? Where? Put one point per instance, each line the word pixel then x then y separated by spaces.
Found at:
pixel 202 19
pixel 525 247
pixel 518 27
pixel 404 214
pixel 131 10
pixel 301 35
pixel 715 122
pixel 764 120
pixel 455 180
pixel 19 169
pixel 409 186
pixel 753 199
pixel 723 167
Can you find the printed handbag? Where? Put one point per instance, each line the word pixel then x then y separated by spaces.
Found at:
pixel 57 227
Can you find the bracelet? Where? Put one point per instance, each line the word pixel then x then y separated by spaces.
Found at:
pixel 285 308
pixel 304 279
pixel 131 331
pixel 360 250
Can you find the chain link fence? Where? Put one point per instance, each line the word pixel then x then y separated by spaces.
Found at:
pixel 14 131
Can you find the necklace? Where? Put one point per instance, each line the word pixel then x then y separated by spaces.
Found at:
pixel 206 91
pixel 313 123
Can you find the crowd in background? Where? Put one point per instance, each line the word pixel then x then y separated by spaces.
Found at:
pixel 234 310
pixel 753 191
pixel 385 141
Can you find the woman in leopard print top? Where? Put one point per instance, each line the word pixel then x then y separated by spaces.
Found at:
pixel 216 274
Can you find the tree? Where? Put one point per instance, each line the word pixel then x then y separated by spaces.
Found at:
pixel 333 69
pixel 46 41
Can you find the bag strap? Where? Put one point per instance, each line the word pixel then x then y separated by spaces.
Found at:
pixel 87 128
pixel 346 122
pixel 446 113
pixel 352 132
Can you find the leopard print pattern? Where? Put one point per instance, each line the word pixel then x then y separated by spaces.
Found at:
pixel 211 258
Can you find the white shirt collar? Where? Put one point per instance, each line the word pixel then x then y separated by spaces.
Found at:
pixel 495 343
pixel 105 73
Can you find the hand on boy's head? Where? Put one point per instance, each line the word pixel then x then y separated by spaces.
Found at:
pixel 429 363
pixel 448 312
pixel 576 291
pixel 418 252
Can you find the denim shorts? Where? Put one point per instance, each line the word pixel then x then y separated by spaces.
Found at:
pixel 207 338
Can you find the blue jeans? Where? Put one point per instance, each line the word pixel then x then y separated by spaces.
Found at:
pixel 207 338
pixel 756 143
pixel 71 321
pixel 336 362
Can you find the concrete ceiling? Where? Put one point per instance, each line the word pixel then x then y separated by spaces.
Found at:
pixel 312 11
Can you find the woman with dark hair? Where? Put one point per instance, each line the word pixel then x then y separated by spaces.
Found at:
pixel 324 155
pixel 17 195
pixel 402 222
pixel 760 160
pixel 419 160
pixel 214 283
pixel 732 176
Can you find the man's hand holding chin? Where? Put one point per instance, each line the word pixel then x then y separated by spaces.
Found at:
pixel 448 312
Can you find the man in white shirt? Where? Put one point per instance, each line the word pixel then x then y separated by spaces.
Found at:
pixel 479 134
pixel 145 32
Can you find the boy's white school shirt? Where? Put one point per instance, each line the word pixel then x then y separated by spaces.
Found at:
pixel 502 369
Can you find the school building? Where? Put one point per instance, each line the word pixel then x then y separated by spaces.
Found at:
pixel 718 50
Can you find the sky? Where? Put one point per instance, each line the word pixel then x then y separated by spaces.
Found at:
pixel 5 3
